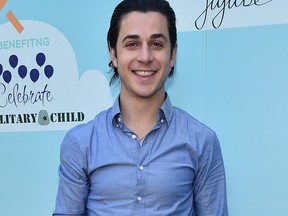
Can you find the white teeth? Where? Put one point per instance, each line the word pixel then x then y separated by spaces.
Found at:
pixel 144 73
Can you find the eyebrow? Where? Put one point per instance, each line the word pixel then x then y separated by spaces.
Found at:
pixel 153 36
pixel 159 35
pixel 130 37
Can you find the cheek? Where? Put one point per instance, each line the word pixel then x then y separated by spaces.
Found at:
pixel 166 58
pixel 127 61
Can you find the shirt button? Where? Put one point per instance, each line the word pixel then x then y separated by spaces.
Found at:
pixel 162 121
pixel 139 198
pixel 117 125
pixel 134 136
pixel 141 167
pixel 119 119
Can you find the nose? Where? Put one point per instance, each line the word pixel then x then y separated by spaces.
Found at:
pixel 145 54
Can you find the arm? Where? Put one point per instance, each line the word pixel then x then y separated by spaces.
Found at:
pixel 74 184
pixel 210 184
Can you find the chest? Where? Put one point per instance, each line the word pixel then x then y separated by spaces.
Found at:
pixel 156 170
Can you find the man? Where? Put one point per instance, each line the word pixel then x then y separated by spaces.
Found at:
pixel 142 156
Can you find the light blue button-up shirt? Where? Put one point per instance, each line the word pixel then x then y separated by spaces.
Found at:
pixel 176 170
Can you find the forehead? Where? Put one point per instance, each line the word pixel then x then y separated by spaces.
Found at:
pixel 142 24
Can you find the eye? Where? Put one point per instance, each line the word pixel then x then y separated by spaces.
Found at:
pixel 132 44
pixel 157 44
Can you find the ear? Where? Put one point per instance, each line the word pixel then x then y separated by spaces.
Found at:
pixel 113 56
pixel 173 56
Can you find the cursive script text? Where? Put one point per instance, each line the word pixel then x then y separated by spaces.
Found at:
pixel 220 6
pixel 24 96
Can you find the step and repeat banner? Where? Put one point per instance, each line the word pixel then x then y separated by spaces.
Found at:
pixel 231 74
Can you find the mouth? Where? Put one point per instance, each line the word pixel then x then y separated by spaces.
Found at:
pixel 144 73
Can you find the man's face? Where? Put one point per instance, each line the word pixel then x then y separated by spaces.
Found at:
pixel 143 54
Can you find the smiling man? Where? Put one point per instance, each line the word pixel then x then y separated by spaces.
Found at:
pixel 143 156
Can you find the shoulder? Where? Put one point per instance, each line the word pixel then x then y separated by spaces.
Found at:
pixel 83 132
pixel 200 139
pixel 188 122
pixel 80 140
pixel 199 136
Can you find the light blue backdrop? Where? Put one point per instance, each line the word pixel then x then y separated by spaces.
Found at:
pixel 234 80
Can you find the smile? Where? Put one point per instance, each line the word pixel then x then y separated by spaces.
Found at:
pixel 144 73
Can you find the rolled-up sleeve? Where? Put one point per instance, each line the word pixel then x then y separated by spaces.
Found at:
pixel 74 184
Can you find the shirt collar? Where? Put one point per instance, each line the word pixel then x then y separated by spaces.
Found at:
pixel 166 111
pixel 116 108
pixel 116 116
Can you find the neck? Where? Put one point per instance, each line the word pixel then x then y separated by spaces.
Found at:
pixel 139 113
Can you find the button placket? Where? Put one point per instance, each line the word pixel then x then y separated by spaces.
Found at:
pixel 141 184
